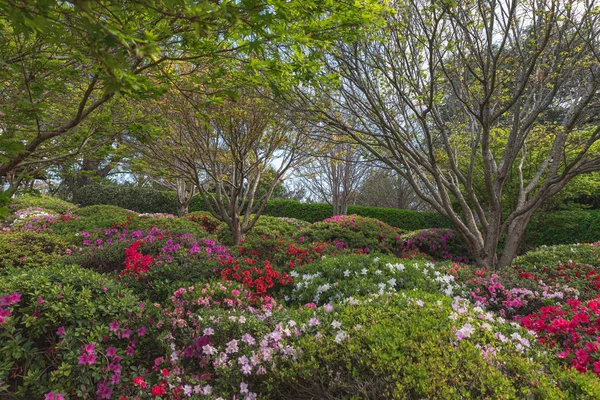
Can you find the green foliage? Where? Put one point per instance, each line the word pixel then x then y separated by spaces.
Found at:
pixel 81 301
pixel 139 199
pixel 70 229
pixel 30 249
pixel 266 227
pixel 405 346
pixel 557 255
pixel 354 232
pixel 311 212
pixel 45 202
pixel 100 209
pixel 173 225
pixel 333 279
pixel 563 227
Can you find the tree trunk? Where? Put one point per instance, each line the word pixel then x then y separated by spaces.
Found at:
pixel 236 231
pixel 514 237
pixel 182 208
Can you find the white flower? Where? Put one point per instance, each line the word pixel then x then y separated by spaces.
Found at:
pixel 336 324
pixel 363 271
pixel 378 272
pixel 346 273
pixel 340 337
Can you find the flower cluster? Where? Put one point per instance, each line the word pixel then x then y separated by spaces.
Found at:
pixel 258 278
pixel 441 244
pixel 572 330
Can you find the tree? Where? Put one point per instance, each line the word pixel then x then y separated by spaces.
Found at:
pixel 228 152
pixel 383 187
pixel 61 62
pixel 334 174
pixel 453 95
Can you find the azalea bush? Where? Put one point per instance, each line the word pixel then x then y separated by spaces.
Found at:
pixel 418 345
pixel 571 331
pixel 205 220
pixel 439 244
pixel 334 279
pixel 46 202
pixel 30 249
pixel 69 331
pixel 354 232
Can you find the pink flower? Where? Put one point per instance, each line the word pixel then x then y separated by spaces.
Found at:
pixel 60 331
pixel 111 351
pixel 90 348
pixel 54 396
pixel 40 300
pixel 126 333
pixel 142 331
pixel 114 326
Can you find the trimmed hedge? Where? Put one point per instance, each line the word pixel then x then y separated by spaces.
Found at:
pixel 140 199
pixel 563 227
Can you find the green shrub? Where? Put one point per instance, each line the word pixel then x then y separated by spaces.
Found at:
pixel 415 346
pixel 563 227
pixel 70 229
pixel 560 254
pixel 30 249
pixel 333 279
pixel 266 227
pixel 139 199
pixel 354 232
pixel 56 312
pixel 46 202
pixel 174 225
pixel 91 211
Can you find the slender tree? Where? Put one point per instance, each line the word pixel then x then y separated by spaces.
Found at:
pixel 456 94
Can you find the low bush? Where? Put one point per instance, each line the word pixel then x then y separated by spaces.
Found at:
pixel 548 256
pixel 265 227
pixel 46 202
pixel 333 279
pixel 90 211
pixel 70 331
pixel 354 232
pixel 420 346
pixel 440 244
pixel 173 225
pixel 572 331
pixel 205 220
pixel 30 249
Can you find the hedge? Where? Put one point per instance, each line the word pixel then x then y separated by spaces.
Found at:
pixel 564 227
pixel 140 199
pixel 557 227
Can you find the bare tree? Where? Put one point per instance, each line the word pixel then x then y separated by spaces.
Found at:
pixel 383 187
pixel 457 94
pixel 335 174
pixel 226 152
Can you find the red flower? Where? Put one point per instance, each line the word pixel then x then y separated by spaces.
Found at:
pixel 158 390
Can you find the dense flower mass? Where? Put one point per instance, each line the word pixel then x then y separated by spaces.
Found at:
pixel 123 312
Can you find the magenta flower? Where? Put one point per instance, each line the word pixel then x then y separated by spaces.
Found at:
pixel 111 351
pixel 114 326
pixel 54 396
pixel 103 392
pixel 60 331
pixel 40 300
pixel 126 333
pixel 90 348
pixel 142 331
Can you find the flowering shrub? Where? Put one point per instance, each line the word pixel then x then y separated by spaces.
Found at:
pixel 284 253
pixel 29 249
pixel 416 345
pixel 219 340
pixel 353 232
pixel 337 278
pixel 440 244
pixel 256 276
pixel 69 331
pixel 205 220
pixel 156 215
pixel 572 331
pixel 45 202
